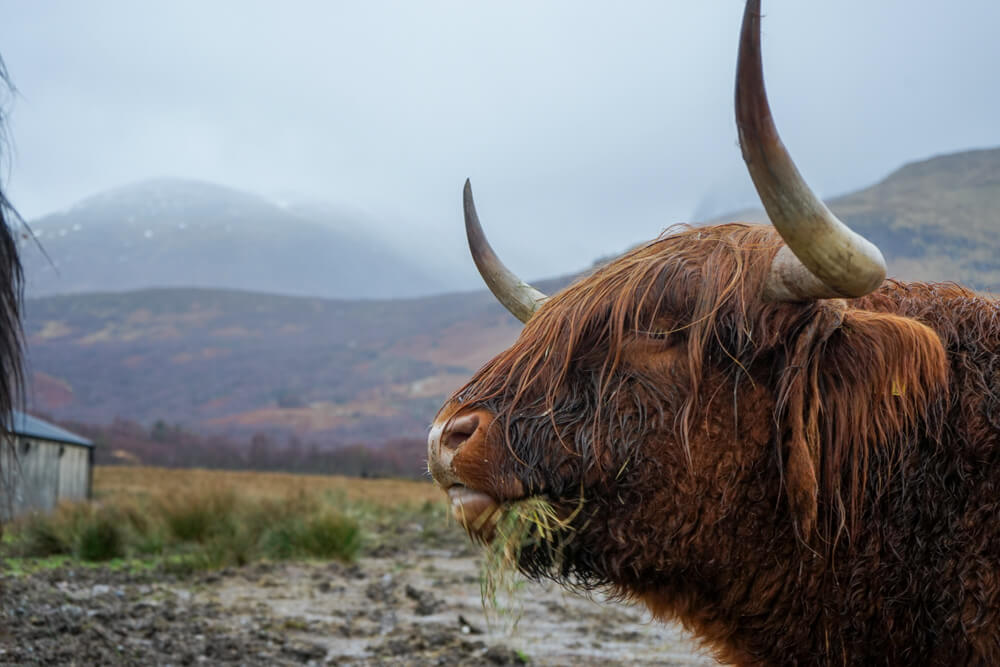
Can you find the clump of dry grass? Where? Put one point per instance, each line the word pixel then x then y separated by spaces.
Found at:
pixel 532 523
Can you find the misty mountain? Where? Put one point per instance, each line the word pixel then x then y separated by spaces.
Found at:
pixel 175 233
pixel 350 370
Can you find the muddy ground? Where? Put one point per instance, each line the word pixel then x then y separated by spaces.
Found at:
pixel 409 601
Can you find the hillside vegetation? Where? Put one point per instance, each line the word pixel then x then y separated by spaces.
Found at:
pixel 935 220
pixel 239 362
pixel 335 371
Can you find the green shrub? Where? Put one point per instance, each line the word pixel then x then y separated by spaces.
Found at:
pixel 101 538
pixel 280 542
pixel 331 536
pixel 40 536
pixel 196 531
pixel 236 546
pixel 198 517
pixel 94 533
pixel 150 543
pixel 327 535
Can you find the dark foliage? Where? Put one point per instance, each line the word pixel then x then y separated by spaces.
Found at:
pixel 128 442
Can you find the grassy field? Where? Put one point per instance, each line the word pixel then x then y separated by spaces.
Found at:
pixel 115 482
pixel 187 520
pixel 338 571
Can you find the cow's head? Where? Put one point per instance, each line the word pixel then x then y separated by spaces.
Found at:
pixel 675 399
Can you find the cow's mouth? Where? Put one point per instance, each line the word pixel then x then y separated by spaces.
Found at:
pixel 476 511
pixel 526 520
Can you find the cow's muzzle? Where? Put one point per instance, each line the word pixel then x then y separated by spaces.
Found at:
pixel 462 434
pixel 462 430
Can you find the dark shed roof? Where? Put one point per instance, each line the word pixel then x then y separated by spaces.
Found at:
pixel 33 427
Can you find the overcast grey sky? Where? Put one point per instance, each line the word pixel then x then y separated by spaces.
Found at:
pixel 585 127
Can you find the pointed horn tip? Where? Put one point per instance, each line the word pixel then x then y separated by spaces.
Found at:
pixel 750 92
pixel 750 11
pixel 467 199
pixel 520 298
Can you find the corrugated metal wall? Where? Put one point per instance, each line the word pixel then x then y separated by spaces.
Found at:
pixel 73 475
pixel 42 473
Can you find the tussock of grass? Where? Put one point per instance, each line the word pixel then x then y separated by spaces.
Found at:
pixel 90 533
pixel 330 536
pixel 41 538
pixel 197 517
pixel 198 530
pixel 101 538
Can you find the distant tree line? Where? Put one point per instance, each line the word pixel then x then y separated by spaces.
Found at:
pixel 126 442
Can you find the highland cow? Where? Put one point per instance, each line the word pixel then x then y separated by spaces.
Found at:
pixel 748 429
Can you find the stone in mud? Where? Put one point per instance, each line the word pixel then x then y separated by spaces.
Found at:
pixel 382 591
pixel 304 651
pixel 502 655
pixel 427 604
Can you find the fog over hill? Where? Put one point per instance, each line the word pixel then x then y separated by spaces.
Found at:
pixel 369 370
pixel 175 233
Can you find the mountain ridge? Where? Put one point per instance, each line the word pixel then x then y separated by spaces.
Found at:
pixel 186 233
pixel 934 219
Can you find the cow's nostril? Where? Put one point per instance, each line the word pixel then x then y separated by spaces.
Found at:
pixel 460 430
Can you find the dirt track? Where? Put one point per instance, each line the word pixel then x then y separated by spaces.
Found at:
pixel 418 605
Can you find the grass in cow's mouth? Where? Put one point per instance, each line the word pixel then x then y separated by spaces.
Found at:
pixel 525 524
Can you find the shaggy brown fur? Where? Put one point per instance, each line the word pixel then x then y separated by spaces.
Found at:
pixel 797 483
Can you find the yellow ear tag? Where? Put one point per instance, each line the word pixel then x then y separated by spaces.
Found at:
pixel 898 389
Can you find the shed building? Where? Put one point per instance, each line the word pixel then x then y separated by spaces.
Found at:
pixel 42 464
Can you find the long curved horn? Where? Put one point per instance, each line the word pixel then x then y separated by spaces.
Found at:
pixel 822 258
pixel 520 298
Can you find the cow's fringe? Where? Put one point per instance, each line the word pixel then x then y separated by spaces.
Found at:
pixel 851 380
